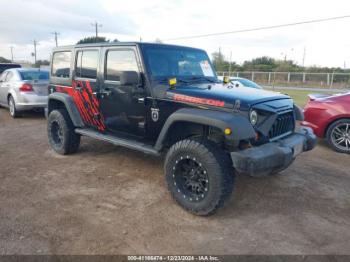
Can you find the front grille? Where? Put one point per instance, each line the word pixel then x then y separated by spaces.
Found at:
pixel 284 124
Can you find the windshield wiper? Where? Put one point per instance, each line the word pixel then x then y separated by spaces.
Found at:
pixel 165 80
pixel 201 78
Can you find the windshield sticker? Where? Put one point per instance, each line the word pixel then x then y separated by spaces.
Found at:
pixel 206 68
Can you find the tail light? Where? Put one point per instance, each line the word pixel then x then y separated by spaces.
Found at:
pixel 26 88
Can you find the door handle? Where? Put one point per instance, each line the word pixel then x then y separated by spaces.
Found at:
pixel 106 92
pixel 78 87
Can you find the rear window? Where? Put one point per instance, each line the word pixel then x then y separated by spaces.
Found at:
pixel 86 66
pixel 61 64
pixel 34 75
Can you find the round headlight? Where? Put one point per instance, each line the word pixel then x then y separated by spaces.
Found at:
pixel 253 117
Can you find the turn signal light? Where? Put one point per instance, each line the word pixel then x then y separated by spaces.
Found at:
pixel 172 81
pixel 26 88
pixel 228 131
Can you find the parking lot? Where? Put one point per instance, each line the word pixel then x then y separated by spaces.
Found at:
pixel 110 200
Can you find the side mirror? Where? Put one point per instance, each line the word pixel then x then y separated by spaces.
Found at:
pixel 129 78
pixel 226 80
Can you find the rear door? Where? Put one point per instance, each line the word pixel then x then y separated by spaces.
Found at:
pixel 86 86
pixel 6 85
pixel 3 94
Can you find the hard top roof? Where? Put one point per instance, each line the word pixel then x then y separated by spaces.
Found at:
pixel 120 44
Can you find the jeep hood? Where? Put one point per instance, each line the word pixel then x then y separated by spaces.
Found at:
pixel 226 96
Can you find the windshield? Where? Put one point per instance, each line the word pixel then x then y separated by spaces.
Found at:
pixel 34 75
pixel 248 83
pixel 183 63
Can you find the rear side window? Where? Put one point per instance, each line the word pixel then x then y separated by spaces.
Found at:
pixel 61 64
pixel 10 77
pixel 3 76
pixel 118 61
pixel 86 66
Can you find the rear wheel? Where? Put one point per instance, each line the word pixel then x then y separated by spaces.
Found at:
pixel 338 136
pixel 199 176
pixel 12 107
pixel 60 129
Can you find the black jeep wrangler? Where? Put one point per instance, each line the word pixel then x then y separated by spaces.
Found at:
pixel 158 99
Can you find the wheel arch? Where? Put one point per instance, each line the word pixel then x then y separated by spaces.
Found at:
pixel 324 134
pixel 13 94
pixel 60 100
pixel 240 126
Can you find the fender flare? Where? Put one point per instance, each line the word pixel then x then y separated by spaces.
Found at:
pixel 69 105
pixel 240 126
pixel 299 115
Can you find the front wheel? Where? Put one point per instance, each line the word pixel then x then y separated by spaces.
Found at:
pixel 199 176
pixel 60 129
pixel 338 136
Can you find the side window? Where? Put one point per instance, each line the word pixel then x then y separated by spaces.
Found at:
pixel 86 65
pixel 118 61
pixel 61 64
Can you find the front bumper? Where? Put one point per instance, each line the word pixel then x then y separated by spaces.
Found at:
pixel 274 156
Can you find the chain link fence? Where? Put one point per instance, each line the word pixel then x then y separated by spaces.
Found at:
pixel 295 79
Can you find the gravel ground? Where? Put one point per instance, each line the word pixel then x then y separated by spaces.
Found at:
pixel 110 200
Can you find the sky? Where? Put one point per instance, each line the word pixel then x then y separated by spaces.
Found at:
pixel 325 44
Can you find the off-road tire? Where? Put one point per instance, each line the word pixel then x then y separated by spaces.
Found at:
pixel 329 139
pixel 60 129
pixel 214 162
pixel 12 107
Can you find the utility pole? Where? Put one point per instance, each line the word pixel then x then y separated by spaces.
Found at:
pixel 35 44
pixel 11 47
pixel 304 55
pixel 96 25
pixel 229 67
pixel 56 34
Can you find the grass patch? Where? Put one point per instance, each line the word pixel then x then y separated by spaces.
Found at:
pixel 300 96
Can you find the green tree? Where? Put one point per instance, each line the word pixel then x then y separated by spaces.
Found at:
pixel 41 62
pixel 4 60
pixel 263 63
pixel 221 64
pixel 93 39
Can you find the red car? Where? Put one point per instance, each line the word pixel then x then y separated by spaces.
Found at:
pixel 329 117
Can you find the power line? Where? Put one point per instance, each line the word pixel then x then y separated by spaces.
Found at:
pixel 260 28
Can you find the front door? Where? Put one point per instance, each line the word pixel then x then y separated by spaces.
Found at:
pixel 122 105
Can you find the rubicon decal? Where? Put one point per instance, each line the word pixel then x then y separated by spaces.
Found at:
pixel 87 104
pixel 198 100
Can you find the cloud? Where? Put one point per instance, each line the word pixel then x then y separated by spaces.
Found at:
pixel 27 20
pixel 326 43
